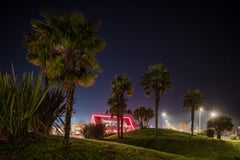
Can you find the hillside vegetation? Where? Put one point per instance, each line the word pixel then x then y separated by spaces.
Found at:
pixel 181 143
pixel 80 149
pixel 136 145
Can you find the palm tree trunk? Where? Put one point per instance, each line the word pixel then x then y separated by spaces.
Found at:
pixel 69 105
pixel 157 99
pixel 192 120
pixel 118 126
pixel 141 123
pixel 121 127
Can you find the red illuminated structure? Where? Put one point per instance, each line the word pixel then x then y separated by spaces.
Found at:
pixel 111 122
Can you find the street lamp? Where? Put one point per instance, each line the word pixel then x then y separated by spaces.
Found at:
pixel 199 127
pixel 167 124
pixel 213 114
pixel 164 114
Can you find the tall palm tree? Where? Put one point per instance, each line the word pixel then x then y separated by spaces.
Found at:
pixel 120 86
pixel 40 45
pixel 157 80
pixel 193 100
pixel 71 58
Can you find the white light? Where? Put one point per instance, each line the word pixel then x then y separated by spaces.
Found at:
pixel 213 114
pixel 163 114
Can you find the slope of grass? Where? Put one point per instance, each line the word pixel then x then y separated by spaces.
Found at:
pixel 80 149
pixel 180 143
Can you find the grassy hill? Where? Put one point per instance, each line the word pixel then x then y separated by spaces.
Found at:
pixel 136 145
pixel 180 143
pixel 80 149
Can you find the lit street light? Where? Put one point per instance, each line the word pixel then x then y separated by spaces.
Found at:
pixel 213 114
pixel 164 115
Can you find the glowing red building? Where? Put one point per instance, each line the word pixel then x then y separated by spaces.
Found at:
pixel 111 122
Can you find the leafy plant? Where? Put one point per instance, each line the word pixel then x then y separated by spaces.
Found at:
pixel 18 104
pixel 220 124
pixel 210 132
pixel 92 131
pixel 143 115
pixel 233 137
pixel 50 112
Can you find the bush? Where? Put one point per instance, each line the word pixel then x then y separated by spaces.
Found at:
pixel 92 131
pixel 233 137
pixel 210 132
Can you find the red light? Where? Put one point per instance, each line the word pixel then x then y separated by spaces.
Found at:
pixel 111 120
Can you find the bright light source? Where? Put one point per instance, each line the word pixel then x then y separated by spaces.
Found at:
pixel 213 114
pixel 163 114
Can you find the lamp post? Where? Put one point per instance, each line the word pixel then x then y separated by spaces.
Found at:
pixel 199 123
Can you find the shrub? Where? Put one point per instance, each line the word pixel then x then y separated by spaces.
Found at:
pixel 210 132
pixel 92 131
pixel 233 137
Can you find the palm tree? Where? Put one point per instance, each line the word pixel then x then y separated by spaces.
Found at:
pixel 193 100
pixel 156 79
pixel 40 45
pixel 149 115
pixel 71 58
pixel 143 115
pixel 120 86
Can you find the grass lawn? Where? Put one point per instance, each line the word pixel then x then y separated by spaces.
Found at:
pixel 180 143
pixel 136 145
pixel 81 149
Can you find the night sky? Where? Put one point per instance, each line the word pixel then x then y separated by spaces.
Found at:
pixel 197 42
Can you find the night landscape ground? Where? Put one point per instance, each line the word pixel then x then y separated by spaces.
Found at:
pixel 136 145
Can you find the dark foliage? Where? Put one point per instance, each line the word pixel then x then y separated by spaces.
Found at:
pixel 92 131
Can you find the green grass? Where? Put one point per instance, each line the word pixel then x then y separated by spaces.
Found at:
pixel 136 145
pixel 180 143
pixel 80 149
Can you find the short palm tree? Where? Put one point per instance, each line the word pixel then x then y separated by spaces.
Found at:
pixel 69 58
pixel 193 100
pixel 143 115
pixel 157 80
pixel 120 86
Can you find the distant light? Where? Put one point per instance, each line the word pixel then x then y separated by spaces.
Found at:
pixel 201 109
pixel 163 114
pixel 213 114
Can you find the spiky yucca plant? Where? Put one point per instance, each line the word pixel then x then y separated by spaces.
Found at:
pixel 19 100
